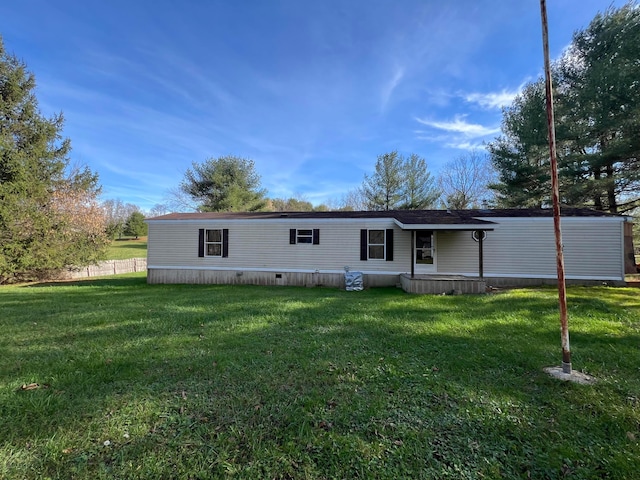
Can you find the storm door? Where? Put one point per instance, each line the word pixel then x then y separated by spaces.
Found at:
pixel 425 256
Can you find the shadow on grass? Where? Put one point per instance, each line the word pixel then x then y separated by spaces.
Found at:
pixel 300 380
pixel 116 281
pixel 133 243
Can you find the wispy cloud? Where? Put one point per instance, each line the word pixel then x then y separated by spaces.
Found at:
pixel 390 86
pixel 460 126
pixel 471 146
pixel 493 100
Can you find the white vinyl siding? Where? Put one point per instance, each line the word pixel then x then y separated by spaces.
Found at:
pixel 519 247
pixel 457 252
pixel 589 250
pixel 265 244
pixel 525 247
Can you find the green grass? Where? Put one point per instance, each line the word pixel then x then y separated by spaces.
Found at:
pixel 127 248
pixel 187 381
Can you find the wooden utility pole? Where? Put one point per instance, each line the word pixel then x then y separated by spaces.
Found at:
pixel 562 290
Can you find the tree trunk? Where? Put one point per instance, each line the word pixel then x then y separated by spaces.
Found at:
pixel 597 199
pixel 611 189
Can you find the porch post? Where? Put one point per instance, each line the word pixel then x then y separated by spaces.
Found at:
pixel 413 253
pixel 480 234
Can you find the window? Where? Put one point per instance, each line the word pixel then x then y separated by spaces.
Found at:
pixel 213 242
pixel 376 244
pixel 304 235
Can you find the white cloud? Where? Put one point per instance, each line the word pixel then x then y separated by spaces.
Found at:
pixel 494 100
pixel 471 146
pixel 390 86
pixel 459 125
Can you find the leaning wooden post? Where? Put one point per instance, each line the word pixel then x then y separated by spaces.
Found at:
pixel 562 292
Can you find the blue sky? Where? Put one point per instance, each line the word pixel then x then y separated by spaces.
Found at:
pixel 312 92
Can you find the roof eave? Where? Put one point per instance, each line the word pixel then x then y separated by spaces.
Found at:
pixel 489 226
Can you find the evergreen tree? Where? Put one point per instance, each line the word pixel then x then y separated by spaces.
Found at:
pixel 419 189
pixel 383 190
pixel 597 113
pixel 599 75
pixel 520 154
pixel 397 183
pixel 225 184
pixel 135 226
pixel 49 216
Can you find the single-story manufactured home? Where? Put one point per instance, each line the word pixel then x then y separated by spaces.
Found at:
pixel 424 251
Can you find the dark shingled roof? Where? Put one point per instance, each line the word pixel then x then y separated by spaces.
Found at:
pixel 535 212
pixel 409 217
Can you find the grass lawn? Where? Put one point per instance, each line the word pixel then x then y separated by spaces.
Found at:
pixel 197 381
pixel 127 248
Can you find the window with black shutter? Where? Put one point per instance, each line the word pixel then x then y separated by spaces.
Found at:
pixel 225 242
pixel 201 242
pixel 213 242
pixel 376 244
pixel 304 235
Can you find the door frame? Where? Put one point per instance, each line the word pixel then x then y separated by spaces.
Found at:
pixel 419 268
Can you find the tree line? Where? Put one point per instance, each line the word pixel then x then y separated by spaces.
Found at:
pixel 597 120
pixel 51 217
pixel 232 184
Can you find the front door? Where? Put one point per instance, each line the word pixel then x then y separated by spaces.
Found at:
pixel 425 248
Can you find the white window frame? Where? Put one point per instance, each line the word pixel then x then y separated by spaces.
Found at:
pixel 383 244
pixel 213 243
pixel 304 238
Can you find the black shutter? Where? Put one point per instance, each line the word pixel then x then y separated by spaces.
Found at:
pixel 316 236
pixel 389 245
pixel 292 236
pixel 201 242
pixel 225 242
pixel 363 244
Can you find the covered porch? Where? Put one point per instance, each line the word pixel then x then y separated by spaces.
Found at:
pixel 424 277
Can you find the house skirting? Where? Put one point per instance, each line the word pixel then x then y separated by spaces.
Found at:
pixel 425 284
pixel 249 277
pixel 515 282
pixel 442 284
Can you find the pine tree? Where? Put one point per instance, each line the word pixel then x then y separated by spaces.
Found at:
pixel 419 189
pixel 135 226
pixel 225 184
pixel 49 216
pixel 520 154
pixel 597 113
pixel 383 189
pixel 599 75
pixel 397 183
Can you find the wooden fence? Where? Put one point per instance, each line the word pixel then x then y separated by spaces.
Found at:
pixel 109 267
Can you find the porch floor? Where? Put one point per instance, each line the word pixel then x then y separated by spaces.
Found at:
pixel 442 284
